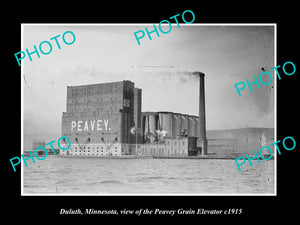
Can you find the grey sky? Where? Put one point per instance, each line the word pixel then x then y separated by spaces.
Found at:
pixel 226 54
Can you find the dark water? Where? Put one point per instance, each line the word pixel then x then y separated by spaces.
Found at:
pixel 76 175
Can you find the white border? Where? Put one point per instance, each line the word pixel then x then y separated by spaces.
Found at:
pixel 146 24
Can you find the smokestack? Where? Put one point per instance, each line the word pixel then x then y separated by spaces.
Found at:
pixel 202 140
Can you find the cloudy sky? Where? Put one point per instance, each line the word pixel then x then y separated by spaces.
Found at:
pixel 226 54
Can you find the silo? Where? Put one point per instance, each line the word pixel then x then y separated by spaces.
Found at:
pixel 184 124
pixel 176 124
pixel 191 126
pixel 165 123
pixel 152 118
pixel 150 126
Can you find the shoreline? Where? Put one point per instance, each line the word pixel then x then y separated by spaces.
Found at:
pixel 212 156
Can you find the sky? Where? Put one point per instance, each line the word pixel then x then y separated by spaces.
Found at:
pixel 227 55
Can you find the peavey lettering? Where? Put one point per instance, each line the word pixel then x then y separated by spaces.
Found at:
pixel 89 125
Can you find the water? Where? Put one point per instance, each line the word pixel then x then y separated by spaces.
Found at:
pixel 84 175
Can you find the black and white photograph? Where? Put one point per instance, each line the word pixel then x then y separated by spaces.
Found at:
pixel 148 109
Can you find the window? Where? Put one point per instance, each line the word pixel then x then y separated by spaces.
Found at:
pixel 126 103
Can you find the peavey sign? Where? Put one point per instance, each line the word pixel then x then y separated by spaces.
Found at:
pixel 89 125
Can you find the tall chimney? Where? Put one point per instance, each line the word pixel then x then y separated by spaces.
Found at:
pixel 202 140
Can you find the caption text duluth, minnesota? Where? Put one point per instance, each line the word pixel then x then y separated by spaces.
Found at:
pixel 149 212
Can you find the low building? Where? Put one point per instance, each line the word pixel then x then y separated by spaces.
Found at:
pixel 181 146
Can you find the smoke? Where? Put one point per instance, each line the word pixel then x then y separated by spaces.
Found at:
pixel 134 74
pixel 167 76
pixel 183 76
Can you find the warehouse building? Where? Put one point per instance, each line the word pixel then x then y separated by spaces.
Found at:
pixel 180 146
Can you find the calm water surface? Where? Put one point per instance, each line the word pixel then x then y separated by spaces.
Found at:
pixel 75 175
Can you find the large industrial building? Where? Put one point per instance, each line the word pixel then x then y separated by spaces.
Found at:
pixel 106 120
pixel 100 117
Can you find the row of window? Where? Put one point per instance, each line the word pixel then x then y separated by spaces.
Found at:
pixel 76 112
pixel 95 110
pixel 117 99
pixel 89 151
pixel 101 87
pixel 103 92
pixel 96 154
pixel 145 151
pixel 88 147
pixel 175 142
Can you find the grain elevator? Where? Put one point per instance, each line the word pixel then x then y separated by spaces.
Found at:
pixel 106 120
